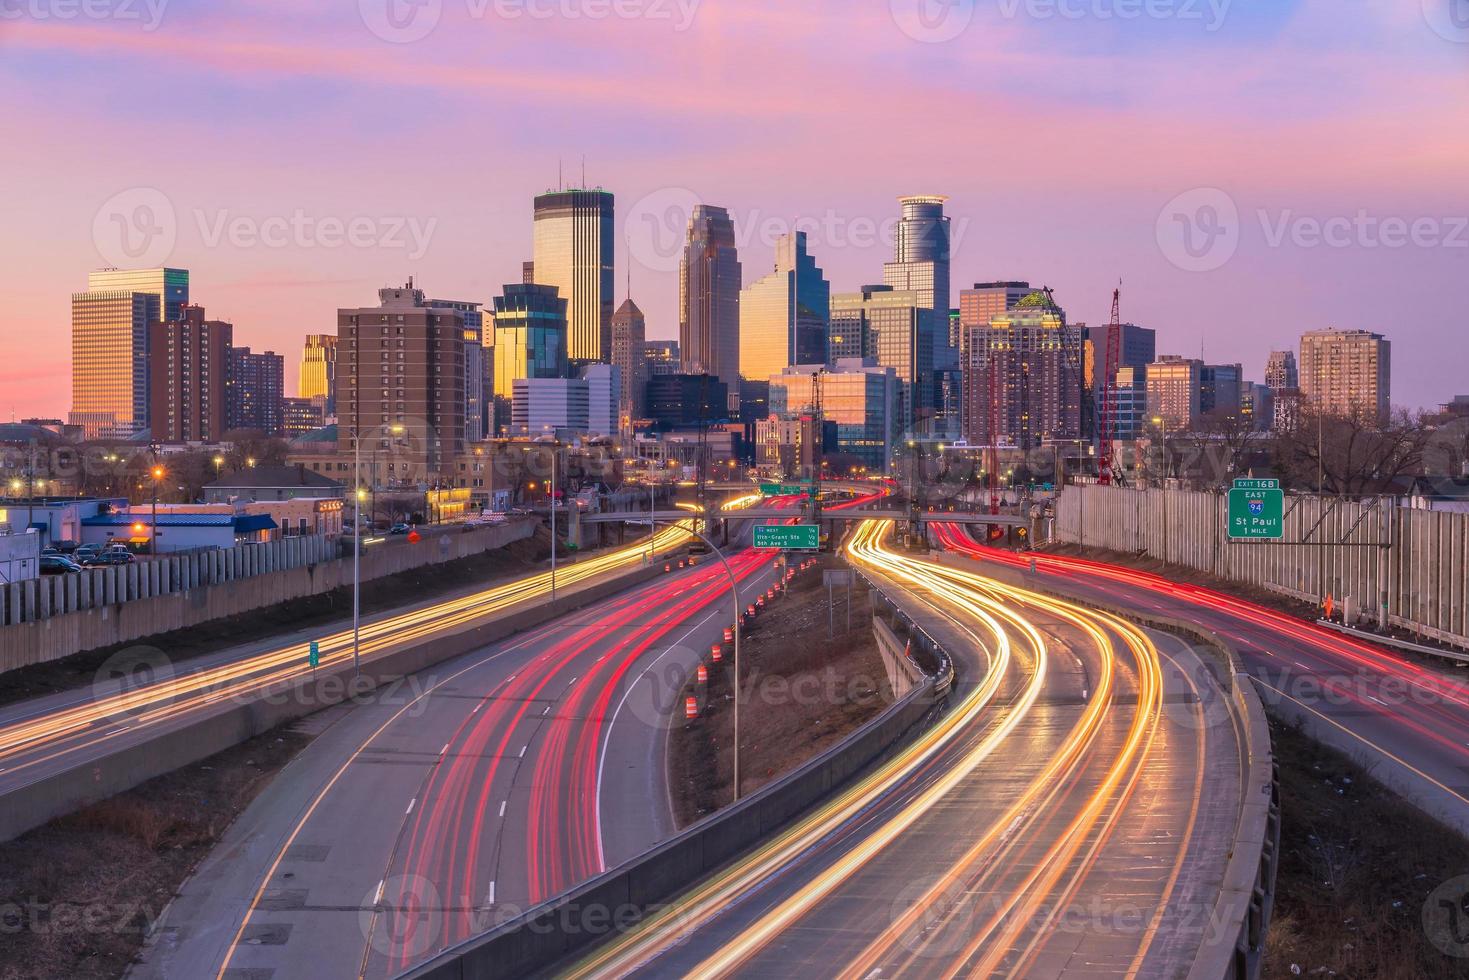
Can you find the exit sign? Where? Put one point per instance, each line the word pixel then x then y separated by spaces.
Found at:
pixel 804 537
pixel 783 489
pixel 1257 510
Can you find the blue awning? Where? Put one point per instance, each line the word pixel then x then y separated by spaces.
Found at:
pixel 255 522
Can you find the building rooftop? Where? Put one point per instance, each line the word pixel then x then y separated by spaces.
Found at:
pixel 272 476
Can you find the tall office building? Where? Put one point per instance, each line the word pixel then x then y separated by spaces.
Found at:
pixel 985 301
pixel 403 364
pixel 629 333
pixel 1175 392
pixel 1221 388
pixel 862 399
pixel 783 315
pixel 573 251
pixel 529 341
pixel 660 357
pixel 709 298
pixel 604 398
pixel 1137 347
pixel 256 391
pixel 1347 373
pixel 476 366
pixel 892 328
pixel 1023 378
pixel 319 370
pixel 189 362
pixel 546 406
pixel 1129 402
pixel 1280 370
pixel 170 286
pixel 921 264
pixel 109 361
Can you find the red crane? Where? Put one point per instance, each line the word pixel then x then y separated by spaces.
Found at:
pixel 1106 417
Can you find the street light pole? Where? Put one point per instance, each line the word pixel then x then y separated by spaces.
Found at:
pixel 356 553
pixel 555 451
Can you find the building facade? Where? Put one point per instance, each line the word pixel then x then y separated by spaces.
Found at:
pixel 862 399
pixel 1347 373
pixel 784 315
pixel 604 398
pixel 893 329
pixel 985 301
pixel 189 364
pixel 710 279
pixel 1175 392
pixel 109 361
pixel 921 257
pixel 319 370
pixel 403 363
pixel 1023 378
pixel 1221 389
pixel 573 251
pixel 255 394
pixel 169 286
pixel 686 400
pixel 1281 371
pixel 547 406
pixel 529 330
pixel 629 334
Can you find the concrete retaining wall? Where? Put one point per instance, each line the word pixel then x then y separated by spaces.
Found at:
pixel 1419 580
pixel 556 929
pixel 59 615
pixel 234 722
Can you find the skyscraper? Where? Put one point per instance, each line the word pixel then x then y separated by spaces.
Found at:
pixel 255 394
pixel 891 327
pixel 573 251
pixel 189 361
pixel 529 328
pixel 109 361
pixel 629 333
pixel 1023 377
pixel 709 298
pixel 1137 347
pixel 1347 373
pixel 171 286
pixel 319 369
pixel 1280 370
pixel 921 262
pixel 1221 388
pixel 476 365
pixel 784 315
pixel 987 300
pixel 860 398
pixel 1175 392
pixel 403 365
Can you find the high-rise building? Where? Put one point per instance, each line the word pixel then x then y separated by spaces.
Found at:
pixel 1129 402
pixel 686 400
pixel 985 301
pixel 629 334
pixel 1221 388
pixel 403 363
pixel 709 298
pixel 189 360
pixel 1023 377
pixel 1257 404
pixel 109 361
pixel 604 398
pixel 860 397
pixel 477 379
pixel 920 264
pixel 256 391
pixel 661 357
pixel 574 252
pixel 1137 347
pixel 1280 370
pixel 319 370
pixel 893 328
pixel 1175 392
pixel 170 286
pixel 302 415
pixel 783 315
pixel 1347 373
pixel 529 325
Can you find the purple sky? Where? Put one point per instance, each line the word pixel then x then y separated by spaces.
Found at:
pixel 1250 170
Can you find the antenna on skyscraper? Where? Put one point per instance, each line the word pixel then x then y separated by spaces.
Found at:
pixel 559 185
pixel 583 171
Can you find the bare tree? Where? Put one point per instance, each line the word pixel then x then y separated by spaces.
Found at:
pixel 1352 456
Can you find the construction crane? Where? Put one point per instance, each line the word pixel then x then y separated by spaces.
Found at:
pixel 1106 420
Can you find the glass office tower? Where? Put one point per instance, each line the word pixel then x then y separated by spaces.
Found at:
pixel 709 298
pixel 573 251
pixel 784 315
pixel 920 263
pixel 109 361
pixel 170 286
pixel 530 340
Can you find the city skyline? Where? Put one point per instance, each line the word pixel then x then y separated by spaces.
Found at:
pixel 1327 157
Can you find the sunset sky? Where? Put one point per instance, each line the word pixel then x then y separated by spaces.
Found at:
pixel 298 156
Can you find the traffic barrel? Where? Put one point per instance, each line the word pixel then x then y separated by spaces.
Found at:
pixel 703 674
pixel 760 602
pixel 716 652
pixel 667 567
pixel 690 708
pixel 750 609
pixel 729 634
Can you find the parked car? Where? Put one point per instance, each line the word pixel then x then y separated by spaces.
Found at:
pixel 112 556
pixel 86 551
pixel 400 528
pixel 58 565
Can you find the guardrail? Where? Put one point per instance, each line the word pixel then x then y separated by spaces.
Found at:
pixel 553 930
pixel 1233 948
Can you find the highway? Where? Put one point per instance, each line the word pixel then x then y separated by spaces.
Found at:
pixel 1069 815
pixel 1407 721
pixel 47 735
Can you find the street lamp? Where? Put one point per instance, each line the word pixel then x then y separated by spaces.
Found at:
pixel 153 543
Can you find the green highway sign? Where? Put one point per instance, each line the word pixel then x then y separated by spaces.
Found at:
pixel 783 489
pixel 1257 509
pixel 313 655
pixel 806 537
